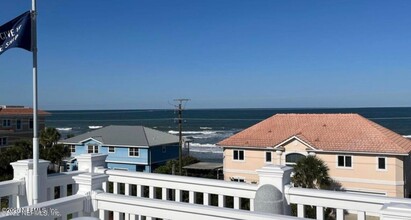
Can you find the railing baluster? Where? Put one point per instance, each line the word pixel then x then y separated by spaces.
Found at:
pixel 164 194
pixel 151 192
pixel 116 215
pixel 49 194
pixel 320 213
pixel 340 214
pixel 206 199
pixel 104 187
pixel 191 197
pixel 221 202
pixel 178 195
pixel 236 202
pixel 102 214
pixel 252 205
pixel 115 187
pixel 126 189
pixel 139 190
pixel 360 215
pixel 300 211
pixel 63 191
pixel 12 201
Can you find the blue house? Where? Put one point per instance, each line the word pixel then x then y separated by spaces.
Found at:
pixel 132 148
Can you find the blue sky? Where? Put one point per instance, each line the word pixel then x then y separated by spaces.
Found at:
pixel 135 54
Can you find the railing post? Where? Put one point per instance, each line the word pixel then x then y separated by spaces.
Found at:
pixel 270 197
pixel 23 170
pixel 87 162
pixel 90 184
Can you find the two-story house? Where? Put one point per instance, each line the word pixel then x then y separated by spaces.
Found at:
pixel 361 155
pixel 132 148
pixel 16 123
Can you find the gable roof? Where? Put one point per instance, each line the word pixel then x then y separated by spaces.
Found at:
pixel 327 132
pixel 125 135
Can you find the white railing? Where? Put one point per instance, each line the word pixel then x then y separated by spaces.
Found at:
pixel 128 207
pixel 61 182
pixel 360 204
pixel 179 197
pixel 172 187
pixel 58 208
pixel 9 191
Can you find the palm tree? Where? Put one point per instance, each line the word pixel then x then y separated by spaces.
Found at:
pixel 49 137
pixel 311 172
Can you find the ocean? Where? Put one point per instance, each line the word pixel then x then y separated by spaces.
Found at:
pixel 206 127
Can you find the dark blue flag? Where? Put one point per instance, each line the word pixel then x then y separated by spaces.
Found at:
pixel 16 33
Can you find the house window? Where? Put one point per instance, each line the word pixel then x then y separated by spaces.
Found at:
pixel 268 157
pixel 31 123
pixel 344 161
pixel 133 152
pixel 382 163
pixel 3 141
pixel 237 179
pixel 293 158
pixel 238 155
pixel 6 123
pixel 73 148
pixel 18 124
pixel 92 149
pixel 111 149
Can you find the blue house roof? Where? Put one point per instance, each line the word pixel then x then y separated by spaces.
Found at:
pixel 126 136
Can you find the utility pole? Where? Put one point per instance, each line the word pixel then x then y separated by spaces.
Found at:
pixel 180 130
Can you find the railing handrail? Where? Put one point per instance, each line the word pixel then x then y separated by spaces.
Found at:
pixel 62 178
pixel 65 205
pixel 175 210
pixel 181 182
pixel 10 187
pixel 339 199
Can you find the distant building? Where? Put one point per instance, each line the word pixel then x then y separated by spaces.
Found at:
pixel 363 156
pixel 16 122
pixel 132 148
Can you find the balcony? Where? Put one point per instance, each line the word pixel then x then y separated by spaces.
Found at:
pixel 111 194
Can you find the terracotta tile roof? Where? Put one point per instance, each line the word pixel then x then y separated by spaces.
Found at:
pixel 327 132
pixel 20 111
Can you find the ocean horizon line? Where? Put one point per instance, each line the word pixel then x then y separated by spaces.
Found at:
pixel 230 108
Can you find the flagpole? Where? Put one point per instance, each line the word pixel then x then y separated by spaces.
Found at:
pixel 35 108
